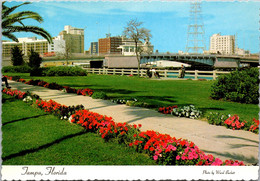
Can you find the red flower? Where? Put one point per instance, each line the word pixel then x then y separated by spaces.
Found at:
pixel 151 149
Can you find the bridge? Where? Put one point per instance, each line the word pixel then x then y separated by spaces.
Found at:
pixel 222 61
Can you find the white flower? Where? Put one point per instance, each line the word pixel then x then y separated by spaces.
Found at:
pixel 70 118
pixel 29 98
pixel 65 117
pixel 61 118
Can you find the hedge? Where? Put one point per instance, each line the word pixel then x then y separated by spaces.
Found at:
pixel 65 71
pixel 238 86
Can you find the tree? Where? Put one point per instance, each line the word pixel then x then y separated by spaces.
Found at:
pixel 34 60
pixel 67 53
pixel 13 22
pixel 17 56
pixel 134 31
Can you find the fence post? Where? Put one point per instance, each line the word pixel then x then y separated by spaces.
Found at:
pixel 142 72
pixel 99 71
pixel 196 74
pixel 131 71
pixel 165 73
pixel 122 72
pixel 93 71
pixel 214 74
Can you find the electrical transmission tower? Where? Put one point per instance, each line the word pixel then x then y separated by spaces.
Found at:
pixel 195 39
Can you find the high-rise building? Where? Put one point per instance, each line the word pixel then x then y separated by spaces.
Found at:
pixel 93 48
pixel 109 45
pixel 74 38
pixel 222 44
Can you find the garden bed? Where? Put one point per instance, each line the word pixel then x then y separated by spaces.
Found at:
pixel 162 148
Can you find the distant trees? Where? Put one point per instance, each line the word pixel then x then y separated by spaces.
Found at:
pixel 13 22
pixel 134 31
pixel 16 56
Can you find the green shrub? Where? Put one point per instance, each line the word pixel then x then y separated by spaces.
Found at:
pixel 34 59
pixel 65 71
pixel 217 118
pixel 238 86
pixel 17 69
pixel 99 95
pixel 17 56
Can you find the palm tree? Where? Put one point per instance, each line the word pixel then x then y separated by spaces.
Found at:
pixel 13 22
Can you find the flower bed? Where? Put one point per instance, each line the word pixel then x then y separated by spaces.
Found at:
pixel 17 94
pixel 167 110
pixel 233 122
pixel 163 148
pixel 187 111
pixel 56 86
pixel 85 92
pixel 255 126
pixel 63 111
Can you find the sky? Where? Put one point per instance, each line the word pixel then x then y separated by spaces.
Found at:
pixel 168 20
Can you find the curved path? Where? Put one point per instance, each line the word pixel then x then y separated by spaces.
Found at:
pixel 216 140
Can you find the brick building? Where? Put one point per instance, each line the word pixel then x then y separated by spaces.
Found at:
pixel 109 45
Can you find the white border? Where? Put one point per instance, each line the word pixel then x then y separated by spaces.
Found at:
pixel 129 172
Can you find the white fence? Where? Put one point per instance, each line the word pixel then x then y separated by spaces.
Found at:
pixel 193 74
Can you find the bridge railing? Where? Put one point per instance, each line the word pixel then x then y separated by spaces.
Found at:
pixel 192 74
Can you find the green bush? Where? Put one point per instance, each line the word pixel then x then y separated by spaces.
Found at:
pixel 17 69
pixel 217 118
pixel 34 60
pixel 99 95
pixel 65 71
pixel 238 86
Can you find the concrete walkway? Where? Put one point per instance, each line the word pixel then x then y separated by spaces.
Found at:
pixel 216 140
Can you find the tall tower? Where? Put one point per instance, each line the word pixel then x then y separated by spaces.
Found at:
pixel 195 38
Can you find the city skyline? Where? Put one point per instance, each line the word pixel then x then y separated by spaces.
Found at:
pixel 167 20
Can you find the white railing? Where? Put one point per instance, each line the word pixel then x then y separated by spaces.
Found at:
pixel 193 74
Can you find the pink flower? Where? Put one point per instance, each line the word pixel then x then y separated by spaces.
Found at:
pixel 190 156
pixel 155 157
pixel 178 157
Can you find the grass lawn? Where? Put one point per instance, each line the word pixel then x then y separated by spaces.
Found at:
pixel 156 92
pixel 33 137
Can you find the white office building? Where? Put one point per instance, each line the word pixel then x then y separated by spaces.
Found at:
pixel 40 46
pixel 222 44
